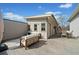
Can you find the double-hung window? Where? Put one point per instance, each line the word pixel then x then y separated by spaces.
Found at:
pixel 35 27
pixel 42 26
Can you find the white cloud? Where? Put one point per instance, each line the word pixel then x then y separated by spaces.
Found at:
pixel 54 13
pixel 1 10
pixel 49 13
pixel 67 5
pixel 39 7
pixel 13 16
pixel 57 14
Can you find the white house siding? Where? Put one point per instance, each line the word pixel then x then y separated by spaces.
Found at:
pixel 33 21
pixel 49 21
pixel 74 26
pixel 14 29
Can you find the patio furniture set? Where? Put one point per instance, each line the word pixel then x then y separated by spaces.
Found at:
pixel 67 34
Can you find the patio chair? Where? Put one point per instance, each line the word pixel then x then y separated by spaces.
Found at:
pixel 69 34
pixel 63 34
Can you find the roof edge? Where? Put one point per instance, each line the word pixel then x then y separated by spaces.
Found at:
pixel 75 12
pixel 46 15
pixel 15 21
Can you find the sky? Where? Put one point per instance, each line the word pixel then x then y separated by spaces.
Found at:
pixel 17 11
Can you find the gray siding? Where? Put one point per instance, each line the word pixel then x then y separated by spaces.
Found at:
pixel 13 29
pixel 1 28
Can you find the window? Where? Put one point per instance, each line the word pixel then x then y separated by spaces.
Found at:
pixel 35 27
pixel 43 27
pixel 28 27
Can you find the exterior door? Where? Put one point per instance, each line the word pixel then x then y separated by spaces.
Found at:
pixel 55 30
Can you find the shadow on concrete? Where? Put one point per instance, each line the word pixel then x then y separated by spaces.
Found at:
pixel 4 53
pixel 38 44
pixel 35 45
pixel 55 36
pixel 59 36
pixel 15 47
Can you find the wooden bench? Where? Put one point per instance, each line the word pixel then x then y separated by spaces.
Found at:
pixel 29 40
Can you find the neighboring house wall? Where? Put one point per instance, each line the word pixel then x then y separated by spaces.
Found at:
pixel 14 29
pixel 38 21
pixel 74 26
pixel 1 28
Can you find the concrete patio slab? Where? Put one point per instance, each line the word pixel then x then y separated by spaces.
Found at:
pixel 56 46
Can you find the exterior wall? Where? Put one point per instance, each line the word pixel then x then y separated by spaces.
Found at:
pixel 1 28
pixel 74 26
pixel 50 27
pixel 13 29
pixel 49 22
pixel 33 21
pixel 52 30
pixel 48 30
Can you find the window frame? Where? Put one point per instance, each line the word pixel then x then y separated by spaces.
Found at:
pixel 43 27
pixel 35 27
